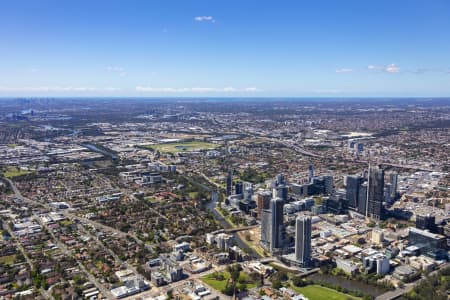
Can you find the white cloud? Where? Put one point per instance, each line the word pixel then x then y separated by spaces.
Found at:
pixel 228 89
pixel 117 70
pixel 57 89
pixel 344 70
pixel 391 68
pixel 205 19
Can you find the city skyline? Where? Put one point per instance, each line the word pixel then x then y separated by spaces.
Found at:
pixel 224 198
pixel 232 49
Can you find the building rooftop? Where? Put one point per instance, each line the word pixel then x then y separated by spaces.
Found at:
pixel 427 233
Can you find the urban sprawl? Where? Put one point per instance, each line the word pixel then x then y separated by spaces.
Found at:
pixel 224 199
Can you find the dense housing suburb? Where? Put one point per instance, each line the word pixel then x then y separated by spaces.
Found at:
pixel 193 199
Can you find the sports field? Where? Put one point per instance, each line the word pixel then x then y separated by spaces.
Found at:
pixel 7 260
pixel 317 292
pixel 12 172
pixel 182 147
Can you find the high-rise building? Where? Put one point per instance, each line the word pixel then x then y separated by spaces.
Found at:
pixel 426 222
pixel 317 186
pixel 239 188
pixel 362 198
pixel 394 182
pixel 266 228
pixel 387 192
pixel 430 244
pixel 248 193
pixel 351 144
pixel 360 147
pixel 277 225
pixel 352 190
pixel 280 179
pixel 229 182
pixel 336 203
pixel 328 183
pixel 303 240
pixel 300 189
pixel 281 191
pixel 375 193
pixel 263 201
pixel 310 173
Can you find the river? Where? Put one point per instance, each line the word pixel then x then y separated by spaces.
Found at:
pixel 211 206
pixel 348 284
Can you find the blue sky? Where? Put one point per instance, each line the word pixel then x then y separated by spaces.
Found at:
pixel 335 48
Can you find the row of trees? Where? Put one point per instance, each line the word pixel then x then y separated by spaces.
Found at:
pixel 300 282
pixel 434 287
pixel 370 279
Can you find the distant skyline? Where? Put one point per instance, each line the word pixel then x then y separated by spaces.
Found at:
pixel 227 48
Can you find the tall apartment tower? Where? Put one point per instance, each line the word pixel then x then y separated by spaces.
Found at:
pixel 266 228
pixel 394 182
pixel 362 198
pixel 281 191
pixel 375 193
pixel 303 240
pixel 328 184
pixel 263 201
pixel 280 179
pixel 352 190
pixel 277 225
pixel 238 188
pixel 310 173
pixel 229 182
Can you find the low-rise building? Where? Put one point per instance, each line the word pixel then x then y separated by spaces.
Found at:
pixel 405 273
pixel 347 266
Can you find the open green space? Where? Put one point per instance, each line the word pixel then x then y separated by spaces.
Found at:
pixel 317 292
pixel 182 147
pixel 150 199
pixel 66 222
pixel 12 172
pixel 214 282
pixel 193 195
pixel 8 259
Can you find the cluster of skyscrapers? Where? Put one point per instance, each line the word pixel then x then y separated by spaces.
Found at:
pixel 363 194
pixel 366 197
pixel 272 224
